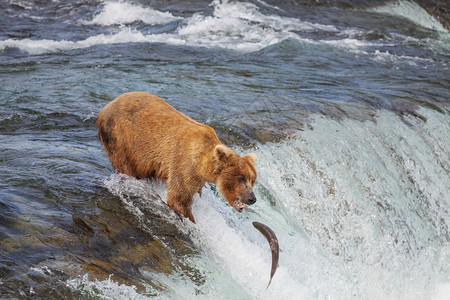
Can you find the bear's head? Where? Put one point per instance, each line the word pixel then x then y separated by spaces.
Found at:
pixel 236 176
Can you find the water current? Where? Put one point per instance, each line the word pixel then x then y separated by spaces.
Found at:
pixel 346 106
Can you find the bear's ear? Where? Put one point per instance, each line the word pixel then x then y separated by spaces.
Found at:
pixel 221 152
pixel 252 157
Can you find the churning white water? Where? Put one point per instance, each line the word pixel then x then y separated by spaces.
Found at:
pixel 238 26
pixel 360 210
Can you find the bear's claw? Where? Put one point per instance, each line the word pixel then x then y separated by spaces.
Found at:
pixel 180 215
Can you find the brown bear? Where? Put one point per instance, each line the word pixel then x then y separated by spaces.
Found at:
pixel 145 137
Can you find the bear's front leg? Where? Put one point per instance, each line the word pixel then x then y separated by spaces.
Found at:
pixel 180 203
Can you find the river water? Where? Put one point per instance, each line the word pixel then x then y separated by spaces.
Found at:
pixel 347 109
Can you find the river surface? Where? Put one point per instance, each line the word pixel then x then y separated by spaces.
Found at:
pixel 347 109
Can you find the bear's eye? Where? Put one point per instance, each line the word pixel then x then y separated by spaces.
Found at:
pixel 253 182
pixel 241 179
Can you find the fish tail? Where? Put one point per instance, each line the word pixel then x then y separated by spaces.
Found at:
pixel 270 281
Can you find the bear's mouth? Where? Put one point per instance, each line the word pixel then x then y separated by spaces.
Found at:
pixel 238 205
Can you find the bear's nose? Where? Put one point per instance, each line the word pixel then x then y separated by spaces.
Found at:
pixel 251 198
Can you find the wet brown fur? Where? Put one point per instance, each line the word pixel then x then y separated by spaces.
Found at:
pixel 145 137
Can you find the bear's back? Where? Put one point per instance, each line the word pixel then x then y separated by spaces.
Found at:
pixel 144 107
pixel 142 134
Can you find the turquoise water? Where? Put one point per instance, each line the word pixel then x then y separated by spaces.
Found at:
pixel 347 110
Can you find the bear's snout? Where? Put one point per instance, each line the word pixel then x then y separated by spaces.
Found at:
pixel 251 199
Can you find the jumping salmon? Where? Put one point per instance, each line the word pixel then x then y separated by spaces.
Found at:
pixel 274 247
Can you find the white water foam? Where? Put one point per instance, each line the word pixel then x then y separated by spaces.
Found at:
pixel 125 186
pixel 122 13
pixel 383 57
pixel 106 289
pixel 232 241
pixel 442 292
pixel 413 12
pixel 354 44
pixel 370 50
pixel 239 26
pixel 123 36
pixel 373 198
pixel 234 25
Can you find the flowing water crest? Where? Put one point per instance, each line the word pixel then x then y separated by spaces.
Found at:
pixel 345 103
